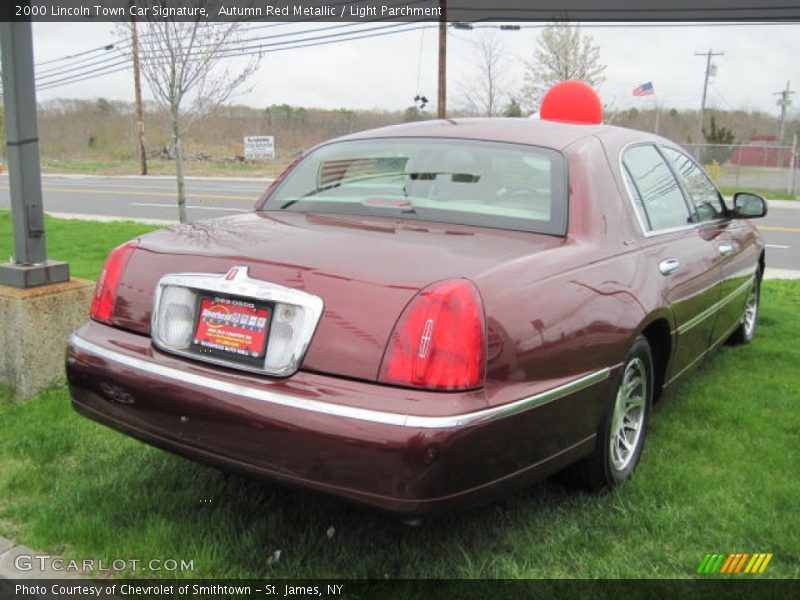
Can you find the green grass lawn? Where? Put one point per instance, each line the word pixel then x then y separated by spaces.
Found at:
pixel 157 166
pixel 768 194
pixel 719 474
pixel 84 244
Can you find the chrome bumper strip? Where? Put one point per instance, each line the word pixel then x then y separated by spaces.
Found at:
pixel 715 308
pixel 338 410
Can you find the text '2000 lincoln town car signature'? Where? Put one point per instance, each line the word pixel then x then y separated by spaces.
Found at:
pixel 424 316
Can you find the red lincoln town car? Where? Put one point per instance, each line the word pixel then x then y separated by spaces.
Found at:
pixel 425 316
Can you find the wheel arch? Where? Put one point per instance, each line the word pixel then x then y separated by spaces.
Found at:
pixel 658 334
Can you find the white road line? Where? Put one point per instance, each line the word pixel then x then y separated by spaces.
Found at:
pixel 777 246
pixel 255 179
pixel 167 188
pixel 193 207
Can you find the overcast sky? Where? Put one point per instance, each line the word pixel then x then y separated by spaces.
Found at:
pixel 383 72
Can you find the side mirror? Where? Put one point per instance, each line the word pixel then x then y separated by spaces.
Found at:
pixel 748 206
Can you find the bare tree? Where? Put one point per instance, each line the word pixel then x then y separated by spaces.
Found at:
pixel 186 66
pixel 562 53
pixel 487 84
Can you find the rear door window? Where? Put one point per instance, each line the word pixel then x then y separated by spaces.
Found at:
pixel 655 189
pixel 703 194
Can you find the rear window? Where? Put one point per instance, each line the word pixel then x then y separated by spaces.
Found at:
pixel 507 186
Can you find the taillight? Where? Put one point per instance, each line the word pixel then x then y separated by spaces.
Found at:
pixel 105 292
pixel 439 342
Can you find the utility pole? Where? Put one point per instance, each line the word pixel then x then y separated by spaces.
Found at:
pixel 442 107
pixel 708 56
pixel 137 86
pixel 784 102
pixel 793 167
pixel 30 267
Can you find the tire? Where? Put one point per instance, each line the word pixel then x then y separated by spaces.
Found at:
pixel 619 445
pixel 748 324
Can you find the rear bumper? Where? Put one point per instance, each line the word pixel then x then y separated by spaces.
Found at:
pixel 404 451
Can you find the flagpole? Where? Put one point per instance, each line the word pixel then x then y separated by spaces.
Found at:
pixel 647 89
pixel 658 114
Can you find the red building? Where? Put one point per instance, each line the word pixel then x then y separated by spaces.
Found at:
pixel 762 151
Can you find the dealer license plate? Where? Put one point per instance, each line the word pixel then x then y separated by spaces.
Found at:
pixel 232 328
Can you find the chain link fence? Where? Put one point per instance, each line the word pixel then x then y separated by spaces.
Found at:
pixel 766 168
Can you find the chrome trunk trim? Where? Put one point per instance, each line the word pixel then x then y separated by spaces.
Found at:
pixel 238 283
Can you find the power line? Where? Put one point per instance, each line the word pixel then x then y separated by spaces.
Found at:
pixel 123 44
pixel 109 46
pixel 105 47
pixel 261 46
pixel 318 29
pixel 419 62
pixel 124 65
pixel 242 50
pixel 83 68
pixel 89 65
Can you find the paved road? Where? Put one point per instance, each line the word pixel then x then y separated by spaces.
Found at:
pixel 153 198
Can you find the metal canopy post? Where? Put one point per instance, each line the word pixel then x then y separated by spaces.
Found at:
pixel 30 267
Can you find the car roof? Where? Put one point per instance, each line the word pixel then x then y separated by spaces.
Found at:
pixel 536 132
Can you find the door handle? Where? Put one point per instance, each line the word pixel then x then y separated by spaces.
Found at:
pixel 669 266
pixel 725 249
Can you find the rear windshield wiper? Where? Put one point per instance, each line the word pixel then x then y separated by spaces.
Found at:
pixel 455 176
pixel 403 206
pixel 289 203
pixel 340 183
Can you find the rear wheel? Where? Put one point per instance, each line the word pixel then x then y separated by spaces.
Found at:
pixel 623 429
pixel 746 330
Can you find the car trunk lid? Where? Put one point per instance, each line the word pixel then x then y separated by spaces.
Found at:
pixel 366 270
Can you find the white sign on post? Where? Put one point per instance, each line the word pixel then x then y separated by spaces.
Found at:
pixel 259 146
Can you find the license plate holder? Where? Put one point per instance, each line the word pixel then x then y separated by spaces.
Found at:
pixel 232 328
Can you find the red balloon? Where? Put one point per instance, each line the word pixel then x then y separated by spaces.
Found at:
pixel 572 102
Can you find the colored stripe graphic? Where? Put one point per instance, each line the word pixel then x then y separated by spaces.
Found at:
pixel 753 562
pixel 715 567
pixel 728 562
pixel 703 567
pixel 741 563
pixel 765 563
pixel 734 563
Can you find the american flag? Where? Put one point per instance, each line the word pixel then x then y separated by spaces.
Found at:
pixel 646 89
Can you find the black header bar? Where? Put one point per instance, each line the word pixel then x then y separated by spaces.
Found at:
pixel 402 10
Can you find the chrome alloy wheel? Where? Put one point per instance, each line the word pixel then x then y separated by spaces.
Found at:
pixel 627 420
pixel 750 313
